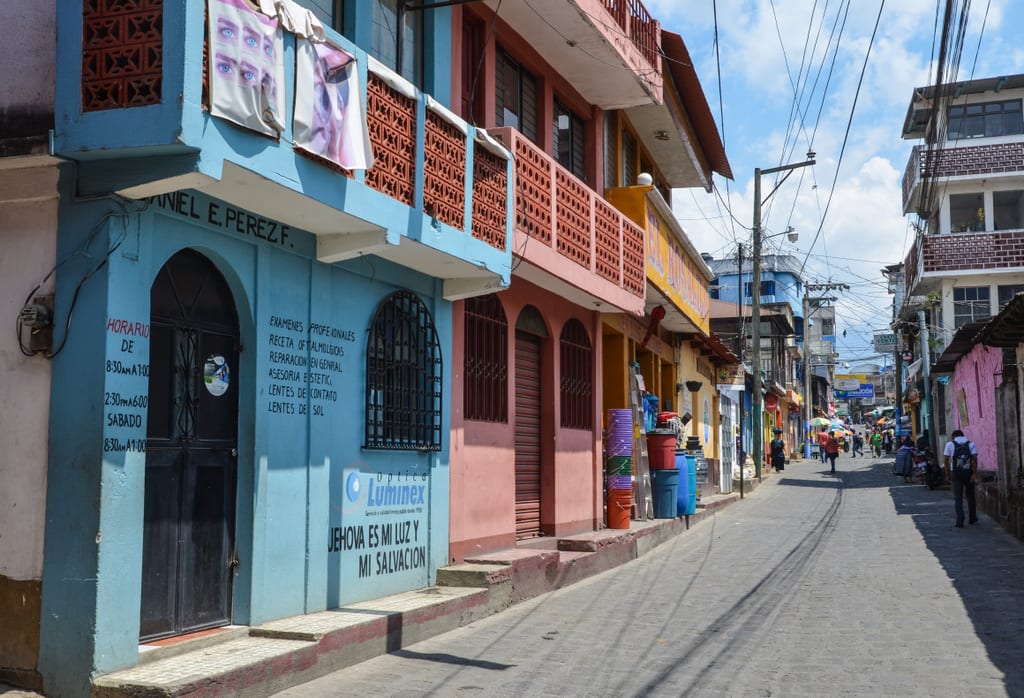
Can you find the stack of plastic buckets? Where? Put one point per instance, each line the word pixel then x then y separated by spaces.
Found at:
pixel 619 467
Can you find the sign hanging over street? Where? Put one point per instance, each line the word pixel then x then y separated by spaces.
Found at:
pixel 885 342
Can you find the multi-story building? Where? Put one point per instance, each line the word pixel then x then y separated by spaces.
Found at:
pixel 964 185
pixel 263 223
pixel 782 289
pixel 313 330
pixel 544 359
pixel 780 378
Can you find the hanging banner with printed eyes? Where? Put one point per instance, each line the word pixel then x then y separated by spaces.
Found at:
pixel 246 56
pixel 329 119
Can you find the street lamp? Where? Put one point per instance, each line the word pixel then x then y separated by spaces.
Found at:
pixel 755 311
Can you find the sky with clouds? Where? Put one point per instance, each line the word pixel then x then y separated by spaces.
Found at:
pixel 835 77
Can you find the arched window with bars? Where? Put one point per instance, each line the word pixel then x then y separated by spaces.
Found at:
pixel 403 376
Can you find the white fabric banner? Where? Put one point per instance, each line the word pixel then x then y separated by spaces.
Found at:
pixel 329 118
pixel 246 56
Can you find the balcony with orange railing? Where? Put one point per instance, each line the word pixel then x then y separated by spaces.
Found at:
pixel 133 108
pixel 608 50
pixel 568 235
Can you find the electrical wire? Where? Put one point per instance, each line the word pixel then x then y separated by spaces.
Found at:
pixel 82 252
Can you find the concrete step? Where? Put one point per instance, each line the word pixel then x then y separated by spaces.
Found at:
pixel 265 659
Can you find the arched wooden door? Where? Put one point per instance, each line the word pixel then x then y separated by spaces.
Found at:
pixel 188 531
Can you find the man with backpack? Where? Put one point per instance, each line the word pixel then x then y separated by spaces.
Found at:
pixel 961 459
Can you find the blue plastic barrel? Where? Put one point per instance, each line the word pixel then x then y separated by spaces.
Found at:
pixel 665 484
pixel 686 492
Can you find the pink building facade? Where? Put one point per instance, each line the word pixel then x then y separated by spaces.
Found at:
pixel 972 403
pixel 488 493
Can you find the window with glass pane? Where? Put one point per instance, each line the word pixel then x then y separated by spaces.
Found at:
pixel 568 137
pixel 385 38
pixel 970 304
pixel 516 96
pixel 767 288
pixel 1008 210
pixel 609 150
pixel 1006 293
pixel 966 212
pixel 629 156
pixel 985 120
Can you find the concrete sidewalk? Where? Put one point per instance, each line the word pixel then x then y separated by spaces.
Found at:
pixel 261 660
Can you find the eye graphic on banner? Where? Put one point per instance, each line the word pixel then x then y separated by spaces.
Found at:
pixel 246 66
pixel 329 119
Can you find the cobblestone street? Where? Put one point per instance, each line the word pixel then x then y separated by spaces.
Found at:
pixel 814 585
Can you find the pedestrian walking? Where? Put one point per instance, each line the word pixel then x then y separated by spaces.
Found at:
pixel 823 437
pixel 831 450
pixel 887 442
pixel 876 443
pixel 778 451
pixel 961 458
pixel 858 444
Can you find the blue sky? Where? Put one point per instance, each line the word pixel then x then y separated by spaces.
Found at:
pixel 847 208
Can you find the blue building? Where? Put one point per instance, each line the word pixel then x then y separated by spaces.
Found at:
pixel 249 414
pixel 780 283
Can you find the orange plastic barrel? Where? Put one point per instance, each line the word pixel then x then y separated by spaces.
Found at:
pixel 619 503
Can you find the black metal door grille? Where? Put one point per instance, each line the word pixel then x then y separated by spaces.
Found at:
pixel 403 377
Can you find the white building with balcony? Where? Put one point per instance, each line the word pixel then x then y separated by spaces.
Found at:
pixel 965 184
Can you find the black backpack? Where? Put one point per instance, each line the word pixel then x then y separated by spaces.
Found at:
pixel 961 455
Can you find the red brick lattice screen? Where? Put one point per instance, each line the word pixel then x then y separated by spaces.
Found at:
pixel 444 171
pixel 634 275
pixel 572 217
pixel 490 197
pixel 122 53
pixel 981 250
pixel 391 121
pixel 965 161
pixel 608 241
pixel 533 188
pixel 616 252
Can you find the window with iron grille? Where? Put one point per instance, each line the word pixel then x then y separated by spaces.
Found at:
pixel 485 393
pixel 577 370
pixel 403 377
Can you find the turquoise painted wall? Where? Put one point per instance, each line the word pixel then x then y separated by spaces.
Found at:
pixel 320 521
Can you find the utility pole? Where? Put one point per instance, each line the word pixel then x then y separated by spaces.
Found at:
pixel 740 452
pixel 757 407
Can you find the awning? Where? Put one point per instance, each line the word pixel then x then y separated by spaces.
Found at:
pixel 913 372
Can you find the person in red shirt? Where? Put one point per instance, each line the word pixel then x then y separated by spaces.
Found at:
pixel 831 449
pixel 822 439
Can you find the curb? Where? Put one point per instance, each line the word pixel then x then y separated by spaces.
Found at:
pixel 265 659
